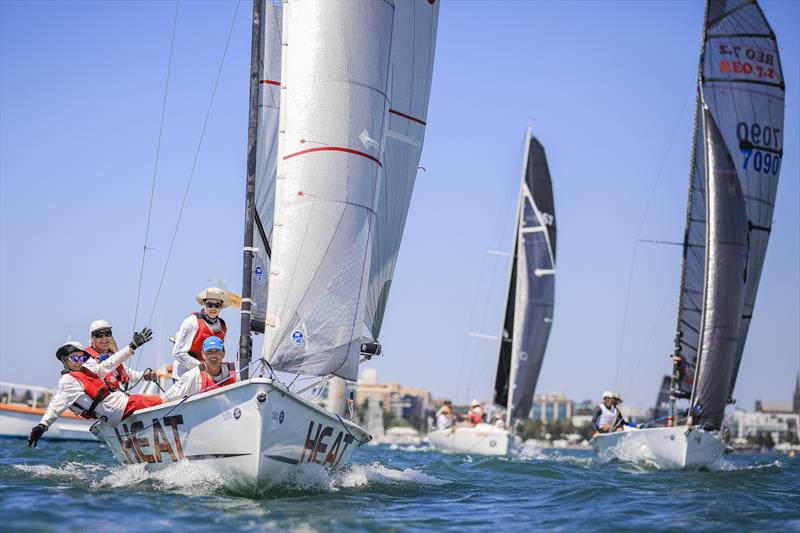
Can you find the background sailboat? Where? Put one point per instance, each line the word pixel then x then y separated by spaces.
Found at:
pixel 528 314
pixel 734 176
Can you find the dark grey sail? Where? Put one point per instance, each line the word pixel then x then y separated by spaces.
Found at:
pixel 531 288
pixel 726 278
pixel 267 157
pixel 744 91
pixel 741 83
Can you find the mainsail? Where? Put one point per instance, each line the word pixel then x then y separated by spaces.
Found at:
pixel 741 86
pixel 413 45
pixel 334 105
pixel 267 156
pixel 529 309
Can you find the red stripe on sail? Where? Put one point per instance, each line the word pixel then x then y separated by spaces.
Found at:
pixel 333 149
pixel 409 117
pixel 271 82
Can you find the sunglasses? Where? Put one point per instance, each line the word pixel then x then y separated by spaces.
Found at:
pixel 102 333
pixel 82 358
pixel 213 305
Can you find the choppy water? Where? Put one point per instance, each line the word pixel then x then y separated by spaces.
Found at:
pixel 74 486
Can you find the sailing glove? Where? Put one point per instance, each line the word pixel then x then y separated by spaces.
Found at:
pixel 36 434
pixel 141 337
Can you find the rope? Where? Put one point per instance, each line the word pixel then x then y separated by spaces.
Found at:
pixel 191 173
pixel 155 169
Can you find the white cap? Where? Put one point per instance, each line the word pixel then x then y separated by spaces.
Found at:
pixel 98 324
pixel 608 394
pixel 473 403
pixel 213 293
pixel 617 397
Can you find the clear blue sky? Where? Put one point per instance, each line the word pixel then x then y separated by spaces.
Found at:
pixel 608 83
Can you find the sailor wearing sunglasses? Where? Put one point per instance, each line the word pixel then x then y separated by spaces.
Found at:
pixel 81 389
pixel 102 346
pixel 188 349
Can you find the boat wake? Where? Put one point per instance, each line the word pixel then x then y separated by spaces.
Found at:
pixel 188 478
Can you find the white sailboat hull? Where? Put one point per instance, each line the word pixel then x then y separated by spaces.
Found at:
pixel 16 422
pixel 253 434
pixel 483 439
pixel 666 447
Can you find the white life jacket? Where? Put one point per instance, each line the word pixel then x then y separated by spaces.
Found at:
pixel 607 416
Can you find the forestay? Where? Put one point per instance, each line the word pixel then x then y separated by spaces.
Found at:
pixel 332 120
pixel 413 45
pixel 267 156
pixel 532 285
pixel 742 86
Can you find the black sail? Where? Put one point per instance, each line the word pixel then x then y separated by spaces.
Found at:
pixel 741 84
pixel 726 278
pixel 529 309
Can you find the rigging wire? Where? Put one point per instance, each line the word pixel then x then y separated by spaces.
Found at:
pixel 639 230
pixel 191 173
pixel 155 169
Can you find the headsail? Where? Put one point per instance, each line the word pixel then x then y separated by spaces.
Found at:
pixel 726 277
pixel 744 91
pixel 267 157
pixel 741 82
pixel 413 45
pixel 532 286
pixel 333 116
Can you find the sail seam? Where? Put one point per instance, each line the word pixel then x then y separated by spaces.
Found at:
pixel 333 149
pixel 409 117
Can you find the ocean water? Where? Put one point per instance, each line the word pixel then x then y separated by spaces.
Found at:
pixel 80 487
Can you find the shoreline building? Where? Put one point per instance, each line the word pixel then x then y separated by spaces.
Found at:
pixel 781 421
pixel 399 401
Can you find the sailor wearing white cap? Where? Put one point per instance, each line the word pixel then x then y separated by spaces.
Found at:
pixel 101 346
pixel 197 328
pixel 81 389
pixel 475 412
pixel 605 415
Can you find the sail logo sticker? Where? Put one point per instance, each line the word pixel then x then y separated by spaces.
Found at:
pixel 259 273
pixel 298 338
pixel 548 219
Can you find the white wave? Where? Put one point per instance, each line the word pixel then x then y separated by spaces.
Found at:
pixel 178 476
pixel 412 448
pixel 376 473
pixel 723 465
pixel 68 471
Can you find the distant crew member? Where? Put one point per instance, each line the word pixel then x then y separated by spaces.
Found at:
pixel 444 416
pixel 620 419
pixel 210 375
pixel 605 415
pixel 197 328
pixel 81 389
pixel 102 346
pixel 475 413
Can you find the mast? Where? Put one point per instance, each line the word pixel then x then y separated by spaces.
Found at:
pixel 504 370
pixel 245 339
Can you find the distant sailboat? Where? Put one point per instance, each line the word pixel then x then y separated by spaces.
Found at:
pixel 528 315
pixel 738 147
pixel 331 83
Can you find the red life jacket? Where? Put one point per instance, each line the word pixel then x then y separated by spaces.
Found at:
pixel 228 373
pixel 94 387
pixel 203 332
pixel 117 378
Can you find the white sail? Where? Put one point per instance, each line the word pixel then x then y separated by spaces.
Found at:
pixel 333 118
pixel 267 156
pixel 413 45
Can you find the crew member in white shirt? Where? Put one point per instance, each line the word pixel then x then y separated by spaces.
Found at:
pixel 83 391
pixel 197 327
pixel 210 375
